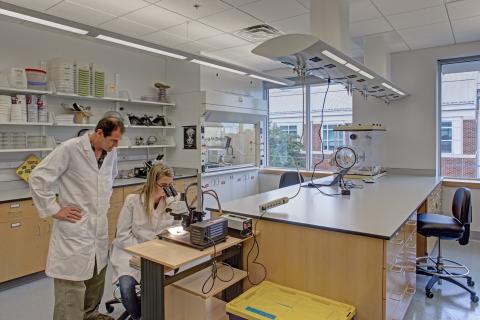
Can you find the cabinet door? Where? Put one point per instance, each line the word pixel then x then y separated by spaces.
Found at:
pixel 251 184
pixel 18 251
pixel 112 216
pixel 238 186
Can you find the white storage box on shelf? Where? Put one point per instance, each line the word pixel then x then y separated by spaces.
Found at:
pixel 36 79
pixel 61 73
pixel 17 78
pixel 5 108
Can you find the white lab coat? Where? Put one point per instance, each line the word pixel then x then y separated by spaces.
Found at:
pixel 133 227
pixel 73 168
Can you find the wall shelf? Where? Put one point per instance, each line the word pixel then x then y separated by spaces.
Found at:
pixel 150 127
pixel 25 150
pixel 76 96
pixel 6 90
pixel 153 146
pixel 151 103
pixel 26 124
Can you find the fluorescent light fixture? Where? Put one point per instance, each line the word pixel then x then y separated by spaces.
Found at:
pixel 386 85
pixel 366 74
pixel 333 57
pixel 353 67
pixel 139 46
pixel 208 64
pixel 266 79
pixel 41 21
pixel 400 93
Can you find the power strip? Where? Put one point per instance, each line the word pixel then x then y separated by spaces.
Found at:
pixel 272 204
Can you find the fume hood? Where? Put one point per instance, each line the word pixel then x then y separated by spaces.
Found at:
pixel 308 55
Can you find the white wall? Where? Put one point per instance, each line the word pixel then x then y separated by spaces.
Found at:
pixel 411 123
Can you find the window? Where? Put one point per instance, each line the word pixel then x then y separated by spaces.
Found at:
pixel 458 133
pixel 290 130
pixel 288 145
pixel 446 137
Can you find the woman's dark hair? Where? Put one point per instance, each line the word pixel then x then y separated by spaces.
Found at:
pixel 110 124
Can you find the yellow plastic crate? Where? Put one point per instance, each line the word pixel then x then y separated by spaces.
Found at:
pixel 272 301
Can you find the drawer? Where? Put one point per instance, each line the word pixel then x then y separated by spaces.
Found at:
pixel 17 210
pixel 394 247
pixel 117 196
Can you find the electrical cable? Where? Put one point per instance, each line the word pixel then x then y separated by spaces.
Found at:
pixel 299 184
pixel 320 131
pixel 214 274
pixel 254 261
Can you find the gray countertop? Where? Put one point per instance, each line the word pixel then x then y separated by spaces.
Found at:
pixel 378 210
pixel 24 193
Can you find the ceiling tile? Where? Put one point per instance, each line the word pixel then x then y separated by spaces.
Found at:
pixel 363 10
pixel 115 7
pixel 186 7
pixel 433 35
pixel 193 47
pixel 224 41
pixel 463 9
pixel 242 56
pixel 238 3
pixel 72 11
pixel 39 5
pixel 419 18
pixel 164 39
pixel 298 24
pixel 156 17
pixel 230 20
pixel 466 30
pixel 367 27
pixel 127 27
pixel 272 10
pixel 390 7
pixel 193 30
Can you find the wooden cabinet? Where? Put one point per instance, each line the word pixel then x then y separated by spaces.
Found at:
pixel 24 240
pixel 25 237
pixel 399 270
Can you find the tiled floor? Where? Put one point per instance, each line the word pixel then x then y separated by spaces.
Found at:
pixel 35 300
pixel 449 302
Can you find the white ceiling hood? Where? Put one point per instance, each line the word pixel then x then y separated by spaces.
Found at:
pixel 324 61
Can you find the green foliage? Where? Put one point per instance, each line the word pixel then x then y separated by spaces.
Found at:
pixel 285 150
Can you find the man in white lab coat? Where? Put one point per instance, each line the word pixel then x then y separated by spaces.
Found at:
pixel 82 170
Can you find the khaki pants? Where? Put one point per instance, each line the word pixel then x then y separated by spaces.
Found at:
pixel 78 300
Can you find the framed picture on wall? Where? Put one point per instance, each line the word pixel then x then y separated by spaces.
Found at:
pixel 190 137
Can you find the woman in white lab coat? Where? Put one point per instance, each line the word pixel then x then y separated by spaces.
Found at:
pixel 142 217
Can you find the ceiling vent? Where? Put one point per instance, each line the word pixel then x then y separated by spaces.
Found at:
pixel 258 33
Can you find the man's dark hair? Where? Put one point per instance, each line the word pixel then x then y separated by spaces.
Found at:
pixel 110 124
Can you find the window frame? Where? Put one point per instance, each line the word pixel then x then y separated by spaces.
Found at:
pixel 440 64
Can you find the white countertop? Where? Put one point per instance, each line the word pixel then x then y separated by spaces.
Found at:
pixel 24 193
pixel 378 210
pixel 228 171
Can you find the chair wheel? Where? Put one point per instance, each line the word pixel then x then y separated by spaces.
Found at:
pixel 475 299
pixel 470 283
pixel 429 294
pixel 109 308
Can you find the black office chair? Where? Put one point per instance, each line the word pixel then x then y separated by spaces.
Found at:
pixel 290 178
pixel 447 228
